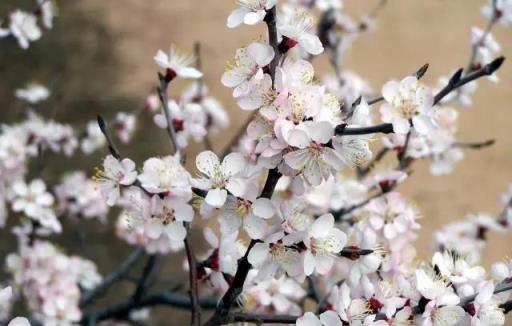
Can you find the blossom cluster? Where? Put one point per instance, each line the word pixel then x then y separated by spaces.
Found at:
pixel 51 281
pixel 297 208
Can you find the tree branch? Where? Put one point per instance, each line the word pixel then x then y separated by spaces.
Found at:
pixel 236 287
pixel 258 318
pixel 145 278
pixel 162 94
pixel 121 310
pixel 193 291
pixel 111 278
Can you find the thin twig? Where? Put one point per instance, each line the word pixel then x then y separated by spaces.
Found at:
pixel 122 309
pixel 193 291
pixel 456 81
pixel 370 166
pixel 258 318
pixel 475 145
pixel 162 94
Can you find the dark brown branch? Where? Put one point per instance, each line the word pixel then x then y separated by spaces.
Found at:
pixel 111 278
pixel 123 309
pixel 193 291
pixel 474 48
pixel 338 215
pixel 342 129
pixel 418 73
pixel 145 278
pixel 476 145
pixel 236 286
pixel 258 318
pixel 270 20
pixel 457 81
pixel 104 130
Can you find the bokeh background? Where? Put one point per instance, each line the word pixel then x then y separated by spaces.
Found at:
pixel 98 59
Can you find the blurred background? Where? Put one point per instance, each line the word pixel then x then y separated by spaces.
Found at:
pixel 98 60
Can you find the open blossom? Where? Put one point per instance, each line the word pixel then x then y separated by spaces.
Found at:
pixel 134 222
pixel 249 12
pixel 407 101
pixel 23 26
pixel 442 308
pixel 353 150
pixel 261 96
pixel 167 176
pixel 177 63
pixel 349 307
pixel 295 28
pixel 281 295
pixel 313 157
pixel 247 68
pixel 219 178
pixel 33 93
pixel 115 173
pixel 273 258
pixel 323 242
pixel 485 310
pixel 457 269
pixel 167 216
pixel 252 213
pixel 35 202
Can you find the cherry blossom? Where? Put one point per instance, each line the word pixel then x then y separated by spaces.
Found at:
pixel 167 217
pixel 219 178
pixel 34 201
pixel 323 241
pixel 295 28
pixel 165 175
pixel 313 158
pixel 442 307
pixel 302 217
pixel 253 214
pixel 177 63
pixel 273 258
pixel 247 68
pixel 408 100
pixel 249 12
pixel 115 174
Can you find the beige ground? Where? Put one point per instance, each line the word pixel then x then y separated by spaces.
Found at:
pixel 102 61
